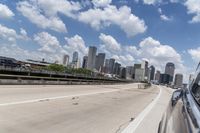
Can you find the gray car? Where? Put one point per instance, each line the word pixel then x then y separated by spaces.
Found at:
pixel 183 112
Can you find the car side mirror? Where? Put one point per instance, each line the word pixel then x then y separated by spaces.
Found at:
pixel 176 96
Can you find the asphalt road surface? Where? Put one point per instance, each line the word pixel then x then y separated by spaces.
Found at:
pixel 80 108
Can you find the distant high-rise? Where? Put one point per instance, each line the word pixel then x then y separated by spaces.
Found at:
pixel 178 81
pixel 136 66
pixel 116 69
pixel 164 78
pixel 151 72
pixel 129 72
pixel 75 57
pixel 91 57
pixel 122 72
pixel 75 61
pixel 106 67
pixel 157 76
pixel 145 67
pixel 85 60
pixel 111 65
pixel 139 74
pixel 169 69
pixel 65 60
pixel 100 58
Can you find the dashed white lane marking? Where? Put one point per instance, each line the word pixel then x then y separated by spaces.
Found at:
pixel 58 97
pixel 134 124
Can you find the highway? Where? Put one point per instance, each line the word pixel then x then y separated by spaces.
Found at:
pixel 81 108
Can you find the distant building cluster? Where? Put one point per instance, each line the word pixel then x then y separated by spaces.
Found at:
pixel 97 62
pixel 138 72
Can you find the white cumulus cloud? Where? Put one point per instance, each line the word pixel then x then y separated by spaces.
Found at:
pixel 34 14
pixel 195 54
pixel 122 17
pixel 9 34
pixel 5 12
pixel 109 43
pixel 193 7
pixel 149 2
pixel 48 43
pixel 163 16
pixel 101 3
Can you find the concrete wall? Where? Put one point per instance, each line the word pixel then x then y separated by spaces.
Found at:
pixel 45 82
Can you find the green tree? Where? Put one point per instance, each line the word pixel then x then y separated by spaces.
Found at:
pixel 56 68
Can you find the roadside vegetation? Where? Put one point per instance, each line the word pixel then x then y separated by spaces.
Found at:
pixel 64 69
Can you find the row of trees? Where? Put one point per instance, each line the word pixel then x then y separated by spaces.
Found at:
pixel 64 69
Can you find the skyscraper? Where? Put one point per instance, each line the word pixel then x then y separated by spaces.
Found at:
pixel 164 78
pixel 169 69
pixel 65 60
pixel 91 57
pixel 106 67
pixel 151 72
pixel 139 74
pixel 75 57
pixel 136 66
pixel 116 70
pixel 85 60
pixel 122 72
pixel 100 58
pixel 129 72
pixel 145 67
pixel 178 82
pixel 75 61
pixel 111 65
pixel 157 76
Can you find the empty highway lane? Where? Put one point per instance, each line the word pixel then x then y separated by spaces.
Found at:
pixel 73 109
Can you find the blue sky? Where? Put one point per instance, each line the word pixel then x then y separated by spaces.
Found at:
pixel 129 31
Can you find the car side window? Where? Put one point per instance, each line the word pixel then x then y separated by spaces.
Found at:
pixel 196 88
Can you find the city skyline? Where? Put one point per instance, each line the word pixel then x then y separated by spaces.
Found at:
pixel 137 72
pixel 153 32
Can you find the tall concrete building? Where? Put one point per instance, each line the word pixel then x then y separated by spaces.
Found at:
pixel 111 65
pixel 75 61
pixel 116 70
pixel 100 58
pixel 157 76
pixel 66 60
pixel 145 67
pixel 139 74
pixel 122 72
pixel 169 69
pixel 85 60
pixel 75 57
pixel 136 66
pixel 178 82
pixel 91 57
pixel 151 72
pixel 164 78
pixel 106 66
pixel 129 72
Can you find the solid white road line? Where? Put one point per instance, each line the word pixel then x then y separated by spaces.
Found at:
pixel 57 97
pixel 134 124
